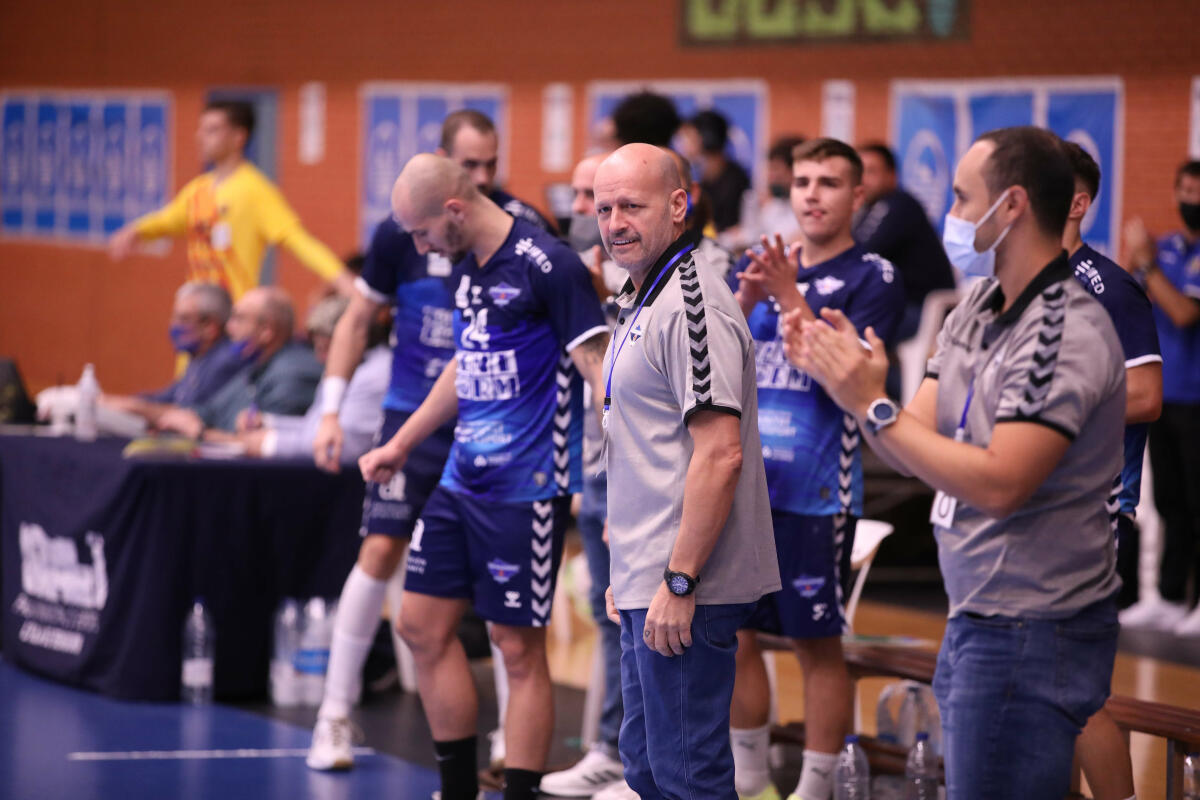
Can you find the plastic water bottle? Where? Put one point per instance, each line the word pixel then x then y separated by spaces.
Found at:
pixel 907 723
pixel 312 658
pixel 852 777
pixel 285 682
pixel 85 414
pixel 1191 777
pixel 921 770
pixel 199 647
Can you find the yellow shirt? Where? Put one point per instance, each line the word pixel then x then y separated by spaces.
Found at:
pixel 228 226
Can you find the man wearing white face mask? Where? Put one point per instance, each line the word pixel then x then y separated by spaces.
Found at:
pixel 1018 425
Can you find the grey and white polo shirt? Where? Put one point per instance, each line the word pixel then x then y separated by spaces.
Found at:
pixel 1053 358
pixel 689 350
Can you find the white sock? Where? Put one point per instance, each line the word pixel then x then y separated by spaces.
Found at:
pixel 750 771
pixel 816 777
pixel 353 632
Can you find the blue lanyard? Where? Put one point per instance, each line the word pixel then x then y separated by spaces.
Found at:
pixel 962 425
pixel 618 348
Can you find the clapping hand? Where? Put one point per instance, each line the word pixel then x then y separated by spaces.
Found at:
pixel 830 351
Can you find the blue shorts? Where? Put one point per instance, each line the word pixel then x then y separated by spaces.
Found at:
pixel 504 557
pixel 392 508
pixel 814 563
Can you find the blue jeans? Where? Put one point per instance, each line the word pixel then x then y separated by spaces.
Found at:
pixel 675 738
pixel 592 512
pixel 1014 693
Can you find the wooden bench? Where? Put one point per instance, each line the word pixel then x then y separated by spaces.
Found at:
pixel 1179 726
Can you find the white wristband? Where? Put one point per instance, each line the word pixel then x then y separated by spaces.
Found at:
pixel 333 389
pixel 270 444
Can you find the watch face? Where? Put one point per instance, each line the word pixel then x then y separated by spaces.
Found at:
pixel 678 584
pixel 883 412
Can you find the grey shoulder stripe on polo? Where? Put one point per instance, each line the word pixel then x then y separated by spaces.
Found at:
pixel 693 306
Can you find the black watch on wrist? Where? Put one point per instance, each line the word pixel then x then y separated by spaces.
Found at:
pixel 680 584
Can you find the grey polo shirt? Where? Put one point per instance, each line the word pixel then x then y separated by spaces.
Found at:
pixel 689 350
pixel 1053 358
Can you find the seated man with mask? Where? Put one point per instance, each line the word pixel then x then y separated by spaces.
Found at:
pixel 281 375
pixel 270 435
pixel 197 329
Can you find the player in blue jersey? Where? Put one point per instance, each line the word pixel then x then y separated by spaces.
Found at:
pixel 527 326
pixel 814 469
pixel 1129 308
pixel 417 286
pixel 1102 750
pixel 1170 270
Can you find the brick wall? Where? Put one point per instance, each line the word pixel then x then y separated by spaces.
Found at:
pixel 62 306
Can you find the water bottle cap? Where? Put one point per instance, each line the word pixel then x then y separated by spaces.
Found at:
pixel 852 738
pixel 922 736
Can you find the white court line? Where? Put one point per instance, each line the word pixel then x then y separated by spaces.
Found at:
pixel 199 755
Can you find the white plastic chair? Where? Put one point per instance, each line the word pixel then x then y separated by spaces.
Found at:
pixel 913 353
pixel 868 535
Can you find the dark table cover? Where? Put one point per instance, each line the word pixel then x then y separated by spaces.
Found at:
pixel 102 556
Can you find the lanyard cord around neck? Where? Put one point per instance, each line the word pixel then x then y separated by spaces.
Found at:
pixel 618 348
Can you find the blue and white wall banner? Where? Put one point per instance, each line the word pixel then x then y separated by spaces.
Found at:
pixel 743 102
pixel 77 165
pixel 400 120
pixel 935 122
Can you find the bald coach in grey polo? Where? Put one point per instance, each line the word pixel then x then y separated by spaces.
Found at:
pixel 688 512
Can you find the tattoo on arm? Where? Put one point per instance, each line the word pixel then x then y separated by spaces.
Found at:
pixel 591 352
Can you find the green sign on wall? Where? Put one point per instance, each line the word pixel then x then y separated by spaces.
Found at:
pixel 821 21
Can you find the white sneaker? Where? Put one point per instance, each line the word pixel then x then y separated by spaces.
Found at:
pixel 1153 614
pixel 618 791
pixel 1189 625
pixel 332 744
pixel 496 757
pixel 595 771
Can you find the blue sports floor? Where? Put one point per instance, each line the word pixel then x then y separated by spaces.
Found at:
pixel 59 742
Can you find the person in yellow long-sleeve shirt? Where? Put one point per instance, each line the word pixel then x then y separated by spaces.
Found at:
pixel 230 214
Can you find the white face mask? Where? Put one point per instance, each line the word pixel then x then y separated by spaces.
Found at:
pixel 958 238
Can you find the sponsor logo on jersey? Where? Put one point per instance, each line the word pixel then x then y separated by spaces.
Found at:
pixel 1087 272
pixel 503 294
pixel 828 285
pixel 502 571
pixel 526 247
pixel 487 376
pixel 774 371
pixel 437 327
pixel 636 333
